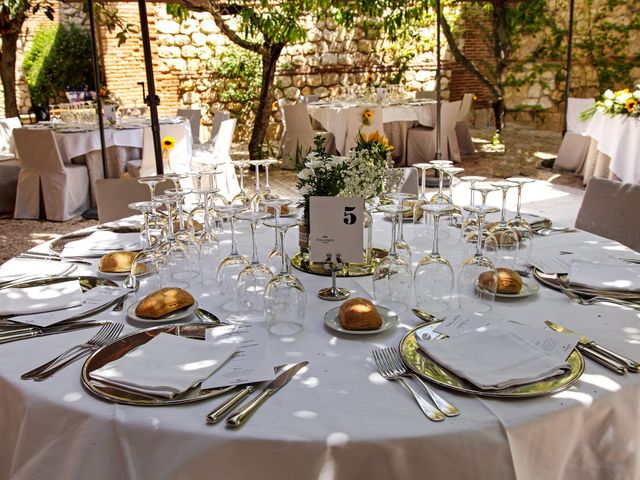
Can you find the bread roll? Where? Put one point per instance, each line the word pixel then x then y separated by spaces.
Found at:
pixel 412 204
pixel 116 262
pixel 284 210
pixel 509 281
pixel 163 302
pixel 359 314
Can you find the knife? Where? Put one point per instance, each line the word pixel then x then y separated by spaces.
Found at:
pixel 240 416
pixel 47 258
pixel 30 332
pixel 592 346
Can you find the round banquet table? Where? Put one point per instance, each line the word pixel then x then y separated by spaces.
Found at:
pixel 337 419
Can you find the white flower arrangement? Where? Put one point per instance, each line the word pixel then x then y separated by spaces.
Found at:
pixel 620 102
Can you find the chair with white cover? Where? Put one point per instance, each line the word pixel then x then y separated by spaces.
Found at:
pixel 574 147
pixel 7 145
pixel 299 134
pixel 462 128
pixel 409 182
pixel 64 187
pixel 610 209
pixel 426 95
pixel 113 196
pixel 194 117
pixel 421 141
pixel 309 98
pixel 218 117
pixel 355 126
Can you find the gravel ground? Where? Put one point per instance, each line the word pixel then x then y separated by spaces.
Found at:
pixel 520 154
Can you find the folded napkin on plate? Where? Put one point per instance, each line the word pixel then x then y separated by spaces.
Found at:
pixel 15 269
pixel 166 365
pixel 493 358
pixel 45 298
pixel 101 242
pixel 602 276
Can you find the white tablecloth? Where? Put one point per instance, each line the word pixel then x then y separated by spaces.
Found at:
pixel 333 117
pixel 339 419
pixel 617 137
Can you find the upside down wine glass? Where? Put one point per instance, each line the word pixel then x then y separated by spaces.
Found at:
pixel 439 165
pixel 241 197
pixel 231 266
pixel 274 261
pixel 284 297
pixel 522 227
pixel 506 236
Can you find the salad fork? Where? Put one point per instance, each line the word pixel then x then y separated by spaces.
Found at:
pixel 598 299
pixel 399 368
pixel 107 333
pixel 386 370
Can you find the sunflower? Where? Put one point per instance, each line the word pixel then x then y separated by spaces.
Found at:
pixel 367 116
pixel 168 143
pixel 631 104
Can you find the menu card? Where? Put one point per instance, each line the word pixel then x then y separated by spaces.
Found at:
pixel 336 229
pixel 250 363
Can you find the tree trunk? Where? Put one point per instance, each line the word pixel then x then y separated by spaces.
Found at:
pixel 269 61
pixel 8 71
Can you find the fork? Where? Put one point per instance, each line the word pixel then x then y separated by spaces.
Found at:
pixel 34 276
pixel 399 368
pixel 598 299
pixel 107 333
pixel 386 371
pixel 545 232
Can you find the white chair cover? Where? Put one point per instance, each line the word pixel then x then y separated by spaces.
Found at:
pixel 462 128
pixel 218 117
pixel 426 94
pixel 309 98
pixel 409 182
pixel 610 209
pixel 113 196
pixel 7 125
pixel 194 117
pixel 179 155
pixel 64 187
pixel 9 171
pixel 355 125
pixel 574 147
pixel 574 108
pixel 421 141
pixel 299 134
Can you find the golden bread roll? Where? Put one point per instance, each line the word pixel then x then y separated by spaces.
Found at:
pixel 417 211
pixel 163 302
pixel 359 314
pixel 284 210
pixel 197 226
pixel 116 262
pixel 509 281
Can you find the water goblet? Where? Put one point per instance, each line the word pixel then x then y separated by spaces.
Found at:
pixel 253 278
pixel 472 296
pixel 231 266
pixel 506 236
pixel 206 238
pixel 284 297
pixel 522 227
pixel 241 197
pixel 267 188
pixel 175 178
pixel 151 182
pixel 274 261
pixel 469 224
pixel 433 277
pixel 402 246
pixel 146 208
pixel 392 277
pixel 439 165
pixel 259 194
pixel 422 198
pixel 173 256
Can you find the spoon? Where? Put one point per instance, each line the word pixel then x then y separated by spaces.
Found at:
pixel 426 316
pixel 132 283
pixel 207 317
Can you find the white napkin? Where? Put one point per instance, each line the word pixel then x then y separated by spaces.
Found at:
pixel 612 276
pixel 166 365
pixel 101 242
pixel 493 358
pixel 17 268
pixel 45 298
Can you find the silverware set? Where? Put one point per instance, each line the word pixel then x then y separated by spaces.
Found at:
pixel 595 299
pixel 10 332
pixel 107 334
pixel 51 257
pixel 36 276
pixel 545 232
pixel 391 367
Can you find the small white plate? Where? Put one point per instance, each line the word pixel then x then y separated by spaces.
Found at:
pixel 113 274
pixel 528 288
pixel 389 320
pixel 172 317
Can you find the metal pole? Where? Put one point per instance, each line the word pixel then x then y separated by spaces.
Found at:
pixel 438 85
pixel 567 84
pixel 98 82
pixel 152 100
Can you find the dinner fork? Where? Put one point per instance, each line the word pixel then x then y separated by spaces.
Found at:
pixel 107 333
pixel 386 371
pixel 598 299
pixel 399 368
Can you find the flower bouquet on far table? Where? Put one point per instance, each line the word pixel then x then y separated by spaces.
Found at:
pixel 620 102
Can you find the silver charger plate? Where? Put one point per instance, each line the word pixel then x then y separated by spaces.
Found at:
pixel 127 343
pixel 430 370
pixel 57 246
pixel 172 317
pixel 389 320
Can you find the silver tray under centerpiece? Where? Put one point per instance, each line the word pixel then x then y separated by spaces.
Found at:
pixel 427 368
pixel 300 262
pixel 558 281
pixel 127 343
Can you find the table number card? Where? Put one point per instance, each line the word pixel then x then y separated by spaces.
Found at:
pixel 336 228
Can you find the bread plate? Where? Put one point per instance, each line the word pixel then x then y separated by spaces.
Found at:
pixel 170 318
pixel 389 320
pixel 527 289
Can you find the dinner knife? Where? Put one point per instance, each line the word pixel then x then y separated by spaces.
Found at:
pixel 30 332
pixel 240 416
pixel 627 363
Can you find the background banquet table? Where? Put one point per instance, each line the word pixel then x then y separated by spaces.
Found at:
pixel 614 149
pixel 338 418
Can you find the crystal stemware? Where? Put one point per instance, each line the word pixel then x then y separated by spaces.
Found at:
pixel 241 197
pixel 274 261
pixel 206 238
pixel 433 277
pixel 506 236
pixel 284 297
pixel 151 182
pixel 470 224
pixel 402 246
pixel 259 194
pixel 522 227
pixel 231 266
pixel 174 262
pixel 253 278
pixel 267 188
pixel 392 278
pixel 422 198
pixel 146 208
pixel 472 295
pixel 439 165
pixel 175 178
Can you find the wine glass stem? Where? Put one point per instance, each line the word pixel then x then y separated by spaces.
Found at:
pixel 424 182
pixel 450 188
pixel 434 249
pixel 440 182
pixel 283 265
pixel 257 178
pixel 519 201
pixel 267 188
pixel 146 227
pixel 206 226
pixel 480 233
pixel 394 221
pixel 484 198
pixel 241 179
pixel 170 236
pixel 472 193
pixel 254 257
pixel 234 247
pixel 504 205
pixel 152 187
